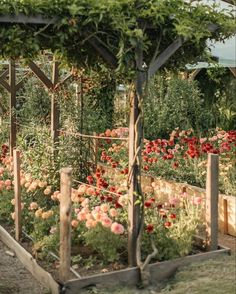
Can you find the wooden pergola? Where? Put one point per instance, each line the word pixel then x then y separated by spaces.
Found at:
pixel 143 75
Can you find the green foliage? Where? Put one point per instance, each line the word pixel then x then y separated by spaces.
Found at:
pixel 33 103
pixel 171 103
pixel 105 242
pixel 218 86
pixel 117 25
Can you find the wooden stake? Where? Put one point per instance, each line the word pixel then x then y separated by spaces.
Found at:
pixel 55 111
pixel 225 208
pixel 12 83
pixel 65 224
pixel 95 152
pixel 212 194
pixel 17 191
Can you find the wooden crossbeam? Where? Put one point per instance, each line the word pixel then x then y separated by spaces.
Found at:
pixel 21 18
pixel 5 85
pixel 12 82
pixel 4 74
pixel 40 74
pixel 103 52
pixel 193 75
pixel 164 56
pixel 55 109
pixel 233 70
pixel 67 78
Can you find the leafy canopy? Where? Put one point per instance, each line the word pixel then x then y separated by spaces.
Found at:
pixel 116 26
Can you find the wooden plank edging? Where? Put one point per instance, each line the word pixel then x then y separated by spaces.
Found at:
pixel 29 262
pixel 130 277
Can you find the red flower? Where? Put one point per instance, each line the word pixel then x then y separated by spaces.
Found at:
pixel 146 167
pixel 148 203
pixel 175 164
pixel 167 224
pixel 149 228
pixel 173 215
pixel 90 179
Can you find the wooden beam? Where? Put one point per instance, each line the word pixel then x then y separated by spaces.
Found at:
pixel 4 74
pixel 66 79
pixel 104 52
pixel 233 70
pixel 226 219
pixel 17 192
pixel 12 82
pixel 65 224
pixel 134 176
pixel 212 195
pixel 55 110
pixel 40 74
pixel 21 18
pixel 164 56
pixel 193 75
pixel 5 85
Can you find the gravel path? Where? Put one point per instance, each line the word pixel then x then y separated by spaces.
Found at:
pixel 14 278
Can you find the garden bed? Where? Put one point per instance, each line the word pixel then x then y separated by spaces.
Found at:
pixel 129 276
pixel 167 188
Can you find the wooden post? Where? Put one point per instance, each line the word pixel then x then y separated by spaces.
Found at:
pixel 134 176
pixel 17 192
pixel 212 194
pixel 95 151
pixel 225 208
pixel 55 111
pixel 12 83
pixel 65 224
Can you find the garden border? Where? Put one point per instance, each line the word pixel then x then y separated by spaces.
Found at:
pixel 159 271
pixel 29 262
pixel 129 276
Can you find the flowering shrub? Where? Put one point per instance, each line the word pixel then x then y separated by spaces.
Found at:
pixel 182 157
pixel 172 225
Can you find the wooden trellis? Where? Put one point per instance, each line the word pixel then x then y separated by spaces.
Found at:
pixel 143 74
pixel 52 85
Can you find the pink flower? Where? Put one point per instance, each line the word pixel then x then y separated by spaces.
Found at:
pixel 89 224
pixel 117 229
pixel 173 200
pixel 85 202
pixel 8 182
pixel 89 216
pixel 197 200
pixel 113 212
pixel 202 140
pixel 74 223
pixel 104 207
pixel 107 222
pixel 81 216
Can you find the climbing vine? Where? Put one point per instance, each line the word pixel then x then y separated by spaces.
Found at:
pixel 114 28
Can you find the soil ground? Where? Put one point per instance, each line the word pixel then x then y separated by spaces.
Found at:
pixel 216 276
pixel 14 278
